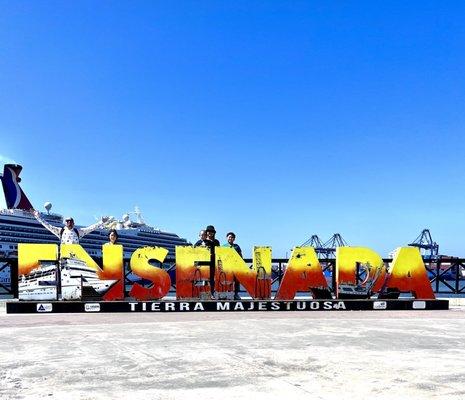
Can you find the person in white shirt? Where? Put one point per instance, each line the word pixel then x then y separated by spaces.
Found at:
pixel 68 234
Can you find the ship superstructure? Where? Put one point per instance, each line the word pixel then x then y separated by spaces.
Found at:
pixel 18 225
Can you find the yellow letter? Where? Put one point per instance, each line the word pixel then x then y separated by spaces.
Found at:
pixel 257 281
pixel 140 265
pixel 346 266
pixel 30 255
pixel 192 281
pixel 408 273
pixel 112 266
pixel 303 273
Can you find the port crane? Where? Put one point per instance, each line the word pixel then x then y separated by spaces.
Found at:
pixel 428 248
pixel 328 248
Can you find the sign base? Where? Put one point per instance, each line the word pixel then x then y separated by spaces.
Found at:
pixel 32 307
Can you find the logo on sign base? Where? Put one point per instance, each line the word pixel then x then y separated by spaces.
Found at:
pixel 92 307
pixel 44 307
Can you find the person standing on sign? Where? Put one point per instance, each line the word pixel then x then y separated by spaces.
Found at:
pixel 202 239
pixel 68 234
pixel 231 237
pixel 112 237
pixel 211 243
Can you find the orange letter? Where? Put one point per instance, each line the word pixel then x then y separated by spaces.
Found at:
pixel 30 255
pixel 140 265
pixel 408 273
pixel 113 269
pixel 346 267
pixel 257 281
pixel 192 281
pixel 112 266
pixel 303 274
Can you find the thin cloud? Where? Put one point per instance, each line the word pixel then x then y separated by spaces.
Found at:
pixel 6 160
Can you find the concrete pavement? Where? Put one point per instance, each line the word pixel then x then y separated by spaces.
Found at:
pixel 295 355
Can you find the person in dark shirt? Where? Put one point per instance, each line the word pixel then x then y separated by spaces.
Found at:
pixel 211 241
pixel 112 236
pixel 231 237
pixel 202 239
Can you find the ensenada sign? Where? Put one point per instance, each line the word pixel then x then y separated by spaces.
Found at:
pixel 47 272
pixel 56 277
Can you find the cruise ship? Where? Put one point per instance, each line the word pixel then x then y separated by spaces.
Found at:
pixel 18 225
pixel 67 279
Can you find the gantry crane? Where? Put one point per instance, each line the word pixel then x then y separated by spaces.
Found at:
pixel 328 248
pixel 424 242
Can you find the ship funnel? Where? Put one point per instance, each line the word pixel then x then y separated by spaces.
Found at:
pixel 14 195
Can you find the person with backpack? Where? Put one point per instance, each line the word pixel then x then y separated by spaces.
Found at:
pixel 68 234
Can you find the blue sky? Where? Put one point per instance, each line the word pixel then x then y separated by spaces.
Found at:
pixel 276 120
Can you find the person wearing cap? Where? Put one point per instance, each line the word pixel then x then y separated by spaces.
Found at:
pixel 231 237
pixel 68 234
pixel 210 240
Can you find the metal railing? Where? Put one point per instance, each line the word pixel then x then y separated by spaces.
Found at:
pixel 447 276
